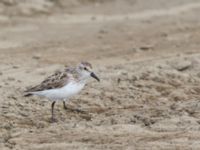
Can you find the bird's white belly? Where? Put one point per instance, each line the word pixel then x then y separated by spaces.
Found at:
pixel 65 92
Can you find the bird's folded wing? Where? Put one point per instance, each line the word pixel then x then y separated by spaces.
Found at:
pixel 57 80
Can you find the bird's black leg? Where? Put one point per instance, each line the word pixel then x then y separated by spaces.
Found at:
pixel 52 112
pixel 64 106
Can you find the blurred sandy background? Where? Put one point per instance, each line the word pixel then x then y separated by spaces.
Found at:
pixel 145 52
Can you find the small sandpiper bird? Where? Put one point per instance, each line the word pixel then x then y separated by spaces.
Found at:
pixel 63 84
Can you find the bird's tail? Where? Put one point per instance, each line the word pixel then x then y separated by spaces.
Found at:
pixel 28 94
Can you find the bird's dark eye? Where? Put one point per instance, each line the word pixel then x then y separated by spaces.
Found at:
pixel 85 68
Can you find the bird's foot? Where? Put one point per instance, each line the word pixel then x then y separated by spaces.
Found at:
pixel 75 110
pixel 65 107
pixel 78 110
pixel 53 120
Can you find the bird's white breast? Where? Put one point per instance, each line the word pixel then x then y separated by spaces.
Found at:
pixel 72 88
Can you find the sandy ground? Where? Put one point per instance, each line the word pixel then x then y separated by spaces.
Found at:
pixel 146 54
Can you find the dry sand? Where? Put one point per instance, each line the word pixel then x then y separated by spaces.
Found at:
pixel 146 54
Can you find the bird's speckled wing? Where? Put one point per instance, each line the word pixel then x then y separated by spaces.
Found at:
pixel 57 80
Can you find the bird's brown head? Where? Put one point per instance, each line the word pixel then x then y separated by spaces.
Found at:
pixel 86 70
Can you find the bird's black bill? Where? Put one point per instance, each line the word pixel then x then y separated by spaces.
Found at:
pixel 94 76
